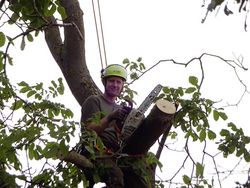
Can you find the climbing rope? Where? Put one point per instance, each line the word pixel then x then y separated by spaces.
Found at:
pixel 97 34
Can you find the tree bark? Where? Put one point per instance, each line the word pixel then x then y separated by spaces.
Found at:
pixel 77 159
pixel 70 53
pixel 154 125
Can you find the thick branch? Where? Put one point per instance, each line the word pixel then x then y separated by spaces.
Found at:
pixel 164 138
pixel 157 122
pixel 77 159
pixel 54 40
pixel 70 53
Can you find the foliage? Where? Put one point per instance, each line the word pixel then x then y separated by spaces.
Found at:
pixel 234 141
pixel 32 124
pixel 35 128
pixel 213 4
pixel 228 7
pixel 34 13
pixel 193 118
pixel 135 69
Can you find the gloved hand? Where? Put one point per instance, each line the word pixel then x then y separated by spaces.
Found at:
pixel 119 115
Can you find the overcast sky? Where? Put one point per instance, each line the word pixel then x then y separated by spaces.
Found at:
pixel 156 30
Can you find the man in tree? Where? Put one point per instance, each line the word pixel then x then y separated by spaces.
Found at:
pixel 105 107
pixel 109 113
pixel 101 114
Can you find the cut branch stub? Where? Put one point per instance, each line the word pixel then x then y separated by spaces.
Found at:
pixel 165 106
pixel 156 123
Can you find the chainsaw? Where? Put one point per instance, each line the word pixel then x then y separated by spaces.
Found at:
pixel 135 116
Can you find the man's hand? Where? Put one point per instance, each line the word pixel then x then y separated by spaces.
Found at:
pixel 119 115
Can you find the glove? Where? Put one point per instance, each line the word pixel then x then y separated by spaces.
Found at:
pixel 119 115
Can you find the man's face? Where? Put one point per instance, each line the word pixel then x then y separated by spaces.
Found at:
pixel 114 86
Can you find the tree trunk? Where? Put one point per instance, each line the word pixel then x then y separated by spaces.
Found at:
pixel 70 53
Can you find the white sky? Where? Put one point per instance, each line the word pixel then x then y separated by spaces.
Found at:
pixel 156 30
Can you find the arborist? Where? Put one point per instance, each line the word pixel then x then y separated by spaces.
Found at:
pixel 109 114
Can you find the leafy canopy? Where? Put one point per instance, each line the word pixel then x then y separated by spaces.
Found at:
pixel 34 127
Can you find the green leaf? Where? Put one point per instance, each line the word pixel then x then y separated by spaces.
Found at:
pixel 50 10
pixel 51 88
pixel 126 61
pixel 247 156
pixel 209 109
pixel 239 152
pixel 139 59
pixel 36 33
pixel 30 151
pixel 173 135
pixel 39 149
pixel 10 60
pixel 211 135
pixel 30 37
pixel 38 96
pixel 60 89
pixel 186 179
pixel 133 76
pixel 223 115
pixel 62 12
pixel 224 132
pixel 246 139
pixel 166 90
pixel 216 115
pixel 43 177
pixel 50 113
pixel 25 89
pixel 30 93
pixel 190 90
pixel 63 147
pixel 233 126
pixel 56 111
pixel 180 91
pixel 193 80
pixel 199 169
pixel 1 65
pixel 54 83
pixel 39 86
pixel 22 83
pixel 67 113
pixel 231 148
pixel 2 39
pixel 194 136
pixel 202 135
pixel 16 105
pixel 60 80
pixel 22 44
pixel 36 155
pixel 142 66
pixel 13 18
pixel 51 150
